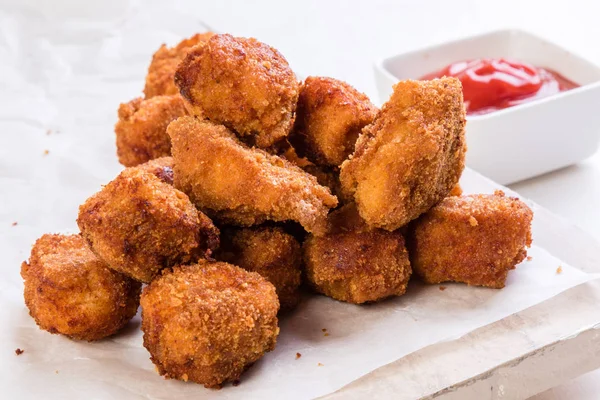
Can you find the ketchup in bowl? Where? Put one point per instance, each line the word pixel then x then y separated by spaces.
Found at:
pixel 491 84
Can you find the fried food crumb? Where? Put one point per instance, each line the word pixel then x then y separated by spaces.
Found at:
pixel 326 334
pixel 319 365
pixel 236 382
pixel 442 288
pixel 529 258
pixel 56 372
pixel 298 355
pixel 324 329
pixel 46 152
pixel 472 221
pixel 559 269
pixel 14 223
pixel 19 351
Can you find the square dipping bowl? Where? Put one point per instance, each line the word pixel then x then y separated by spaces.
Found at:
pixel 526 140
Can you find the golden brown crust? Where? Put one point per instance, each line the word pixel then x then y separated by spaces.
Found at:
pixel 330 116
pixel 326 176
pixel 68 290
pixel 142 128
pixel 456 190
pixel 356 264
pixel 162 168
pixel 209 322
pixel 161 72
pixel 243 84
pixel 269 251
pixel 474 239
pixel 138 225
pixel 243 186
pixel 411 156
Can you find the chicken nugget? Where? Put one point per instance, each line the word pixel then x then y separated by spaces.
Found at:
pixel 162 168
pixel 411 156
pixel 161 72
pixel 138 224
pixel 269 251
pixel 330 116
pixel 207 323
pixel 142 128
pixel 354 263
pixel 473 239
pixel 242 186
pixel 68 290
pixel 243 84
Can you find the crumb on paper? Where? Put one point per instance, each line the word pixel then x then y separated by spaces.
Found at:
pixel 184 377
pixel 14 223
pixel 236 382
pixel 298 355
pixel 324 330
pixel 529 258
pixel 56 372
pixel 559 269
pixel 319 365
pixel 326 334
pixel 442 288
pixel 473 221
pixel 46 152
pixel 19 351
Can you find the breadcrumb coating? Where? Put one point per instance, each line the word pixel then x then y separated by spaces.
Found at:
pixel 162 168
pixel 330 116
pixel 243 84
pixel 473 239
pixel 207 323
pixel 411 156
pixel 326 176
pixel 354 263
pixel 269 251
pixel 160 79
pixel 142 128
pixel 243 186
pixel 68 290
pixel 456 190
pixel 138 224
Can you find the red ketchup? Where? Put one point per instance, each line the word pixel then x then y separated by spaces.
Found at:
pixel 491 84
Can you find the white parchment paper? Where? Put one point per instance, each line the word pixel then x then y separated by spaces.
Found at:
pixel 60 85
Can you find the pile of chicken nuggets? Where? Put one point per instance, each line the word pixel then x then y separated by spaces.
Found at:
pixel 244 187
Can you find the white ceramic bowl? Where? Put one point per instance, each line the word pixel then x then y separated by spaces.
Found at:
pixel 525 140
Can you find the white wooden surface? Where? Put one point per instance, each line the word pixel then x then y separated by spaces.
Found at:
pixel 343 38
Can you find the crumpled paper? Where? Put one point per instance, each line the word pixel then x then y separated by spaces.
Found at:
pixel 60 85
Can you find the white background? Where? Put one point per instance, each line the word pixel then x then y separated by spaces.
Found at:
pixel 343 38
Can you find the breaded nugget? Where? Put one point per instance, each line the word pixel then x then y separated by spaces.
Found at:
pixel 243 186
pixel 162 168
pixel 142 128
pixel 474 239
pixel 68 290
pixel 269 251
pixel 207 323
pixel 330 116
pixel 161 72
pixel 243 84
pixel 411 156
pixel 354 263
pixel 138 224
